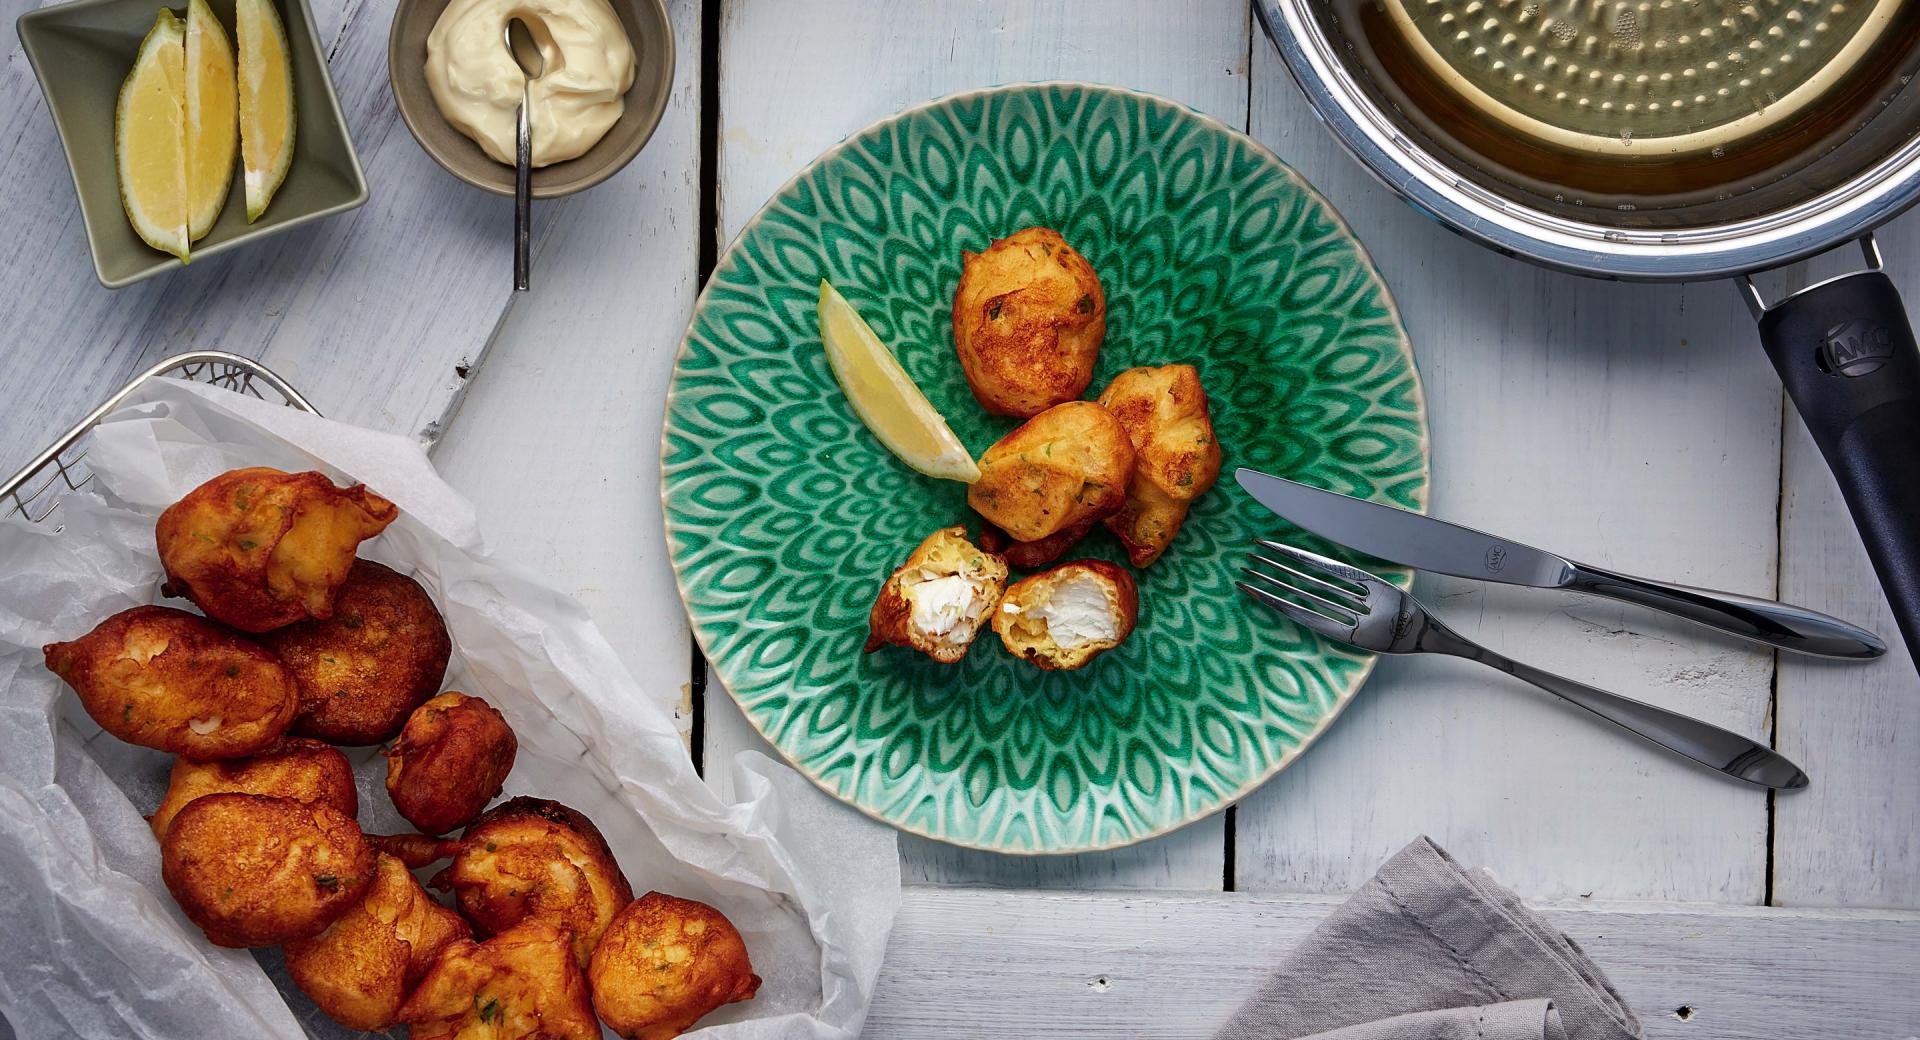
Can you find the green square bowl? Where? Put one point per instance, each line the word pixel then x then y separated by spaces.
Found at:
pixel 81 51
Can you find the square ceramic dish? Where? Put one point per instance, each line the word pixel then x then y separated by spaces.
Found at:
pixel 81 52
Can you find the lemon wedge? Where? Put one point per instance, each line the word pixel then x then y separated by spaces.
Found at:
pixel 149 140
pixel 266 102
pixel 884 397
pixel 212 134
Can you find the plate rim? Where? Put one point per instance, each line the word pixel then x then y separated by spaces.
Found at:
pixel 1418 396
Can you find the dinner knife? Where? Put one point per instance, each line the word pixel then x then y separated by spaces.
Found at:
pixel 1428 544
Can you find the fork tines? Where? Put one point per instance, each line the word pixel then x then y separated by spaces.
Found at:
pixel 1331 601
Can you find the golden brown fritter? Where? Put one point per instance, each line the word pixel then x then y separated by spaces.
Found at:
pixel 302 770
pixel 452 756
pixel 362 967
pixel 938 600
pixel 1061 618
pixel 1063 468
pixel 518 985
pixel 534 859
pixel 1176 457
pixel 174 681
pixel 666 962
pixel 1028 318
pixel 363 670
pixel 254 870
pixel 258 548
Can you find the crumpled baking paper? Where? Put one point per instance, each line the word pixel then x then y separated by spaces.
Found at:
pixel 93 944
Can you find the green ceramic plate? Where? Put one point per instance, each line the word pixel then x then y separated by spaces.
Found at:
pixel 784 515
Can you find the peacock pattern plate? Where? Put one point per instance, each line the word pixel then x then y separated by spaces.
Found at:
pixel 784 515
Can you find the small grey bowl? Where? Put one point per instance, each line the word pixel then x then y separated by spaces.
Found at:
pixel 82 51
pixel 652 36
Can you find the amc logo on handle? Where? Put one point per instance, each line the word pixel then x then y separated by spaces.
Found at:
pixel 1855 347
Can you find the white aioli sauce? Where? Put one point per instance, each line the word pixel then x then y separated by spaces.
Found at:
pixel 574 102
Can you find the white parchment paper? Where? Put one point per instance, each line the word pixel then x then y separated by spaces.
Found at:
pixel 92 945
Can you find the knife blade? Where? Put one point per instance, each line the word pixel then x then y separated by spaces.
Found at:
pixel 1430 544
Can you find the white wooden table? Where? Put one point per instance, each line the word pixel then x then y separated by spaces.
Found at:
pixel 1637 426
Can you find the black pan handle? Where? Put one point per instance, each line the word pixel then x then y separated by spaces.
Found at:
pixel 1845 351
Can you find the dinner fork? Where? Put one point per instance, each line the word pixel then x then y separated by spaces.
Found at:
pixel 1348 604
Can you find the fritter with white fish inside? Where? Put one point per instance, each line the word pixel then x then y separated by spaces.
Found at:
pixel 938 600
pixel 1062 618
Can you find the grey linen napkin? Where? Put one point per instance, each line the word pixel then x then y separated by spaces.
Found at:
pixel 1429 951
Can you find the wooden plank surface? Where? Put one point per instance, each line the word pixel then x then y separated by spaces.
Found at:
pixel 368 313
pixel 983 963
pixel 1632 426
pixel 792 83
pixel 558 441
pixel 1852 839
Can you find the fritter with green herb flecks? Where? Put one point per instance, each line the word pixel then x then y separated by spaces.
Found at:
pixel 303 770
pixel 363 670
pixel 174 681
pixel 522 984
pixel 254 870
pixel 258 548
pixel 665 963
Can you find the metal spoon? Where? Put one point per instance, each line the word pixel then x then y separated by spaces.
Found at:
pixel 526 54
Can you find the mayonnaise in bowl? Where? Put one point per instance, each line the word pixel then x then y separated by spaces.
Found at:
pixel 573 103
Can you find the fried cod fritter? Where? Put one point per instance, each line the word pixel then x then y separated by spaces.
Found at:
pixel 258 548
pixel 1061 618
pixel 938 600
pixel 1028 319
pixel 1062 469
pixel 254 870
pixel 296 769
pixel 452 756
pixel 664 963
pixel 360 970
pixel 166 679
pixel 1176 457
pixel 534 859
pixel 362 671
pixel 522 984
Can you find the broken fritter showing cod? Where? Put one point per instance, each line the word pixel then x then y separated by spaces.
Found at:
pixel 1060 619
pixel 1175 455
pixel 938 600
pixel 1050 480
pixel 260 548
pixel 360 970
pixel 664 964
pixel 1028 320
pixel 173 681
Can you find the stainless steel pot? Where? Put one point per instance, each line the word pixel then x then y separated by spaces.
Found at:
pixel 1668 141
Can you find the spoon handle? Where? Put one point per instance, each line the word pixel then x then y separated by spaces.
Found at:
pixel 522 198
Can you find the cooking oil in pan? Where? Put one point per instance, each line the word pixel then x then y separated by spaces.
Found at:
pixel 1636 105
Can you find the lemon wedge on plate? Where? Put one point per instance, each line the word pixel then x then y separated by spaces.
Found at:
pixel 213 134
pixel 266 102
pixel 149 139
pixel 885 398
